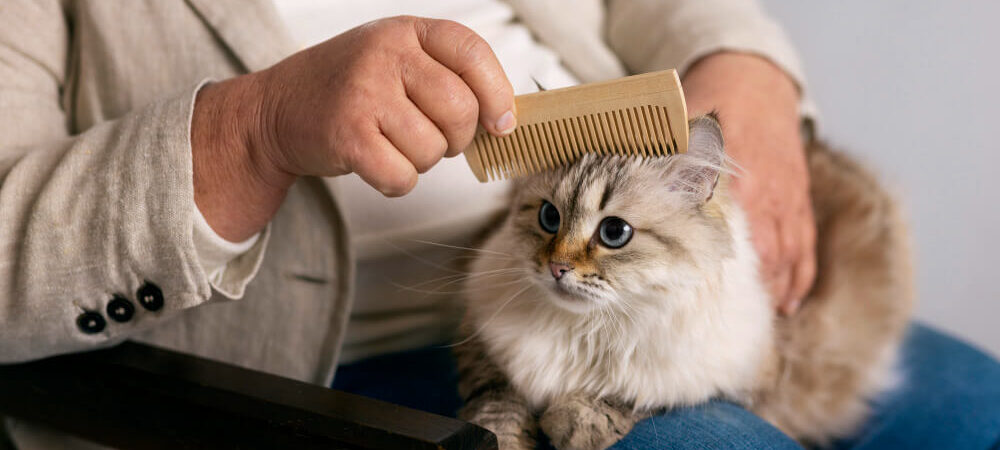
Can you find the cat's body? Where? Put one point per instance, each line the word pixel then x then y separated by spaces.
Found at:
pixel 567 329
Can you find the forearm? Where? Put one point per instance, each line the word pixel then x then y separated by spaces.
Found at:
pixel 237 186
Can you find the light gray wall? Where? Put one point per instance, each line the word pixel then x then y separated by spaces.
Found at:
pixel 913 87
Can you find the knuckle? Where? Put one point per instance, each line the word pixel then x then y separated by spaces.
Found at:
pixel 394 24
pixel 462 105
pixel 433 146
pixel 354 152
pixel 468 44
pixel 388 32
pixel 351 159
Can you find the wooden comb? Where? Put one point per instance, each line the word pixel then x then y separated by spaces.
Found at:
pixel 643 115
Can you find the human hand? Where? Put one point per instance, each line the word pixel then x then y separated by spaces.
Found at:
pixel 385 100
pixel 758 108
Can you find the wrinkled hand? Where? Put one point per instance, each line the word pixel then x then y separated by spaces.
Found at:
pixel 386 100
pixel 758 108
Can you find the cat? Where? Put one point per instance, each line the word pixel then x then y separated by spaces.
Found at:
pixel 618 287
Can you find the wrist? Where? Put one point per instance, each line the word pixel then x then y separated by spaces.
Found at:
pixel 245 111
pixel 725 78
pixel 238 184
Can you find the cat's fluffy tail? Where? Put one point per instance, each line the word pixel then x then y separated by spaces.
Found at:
pixel 838 351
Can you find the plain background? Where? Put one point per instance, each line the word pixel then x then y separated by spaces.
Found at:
pixel 913 88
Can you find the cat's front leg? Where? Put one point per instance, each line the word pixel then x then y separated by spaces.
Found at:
pixel 490 401
pixel 585 422
pixel 506 414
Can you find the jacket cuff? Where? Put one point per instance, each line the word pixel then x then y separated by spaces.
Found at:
pixel 103 222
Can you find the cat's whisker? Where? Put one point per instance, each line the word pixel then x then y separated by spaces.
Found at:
pixel 469 275
pixel 438 291
pixel 627 310
pixel 420 258
pixel 486 257
pixel 514 271
pixel 619 327
pixel 494 316
pixel 614 328
pixel 458 247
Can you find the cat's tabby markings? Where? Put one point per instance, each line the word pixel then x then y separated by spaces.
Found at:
pixel 575 330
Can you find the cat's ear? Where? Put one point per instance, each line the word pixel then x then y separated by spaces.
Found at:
pixel 697 171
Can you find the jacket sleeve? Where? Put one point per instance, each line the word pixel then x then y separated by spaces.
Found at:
pixel 95 228
pixel 653 35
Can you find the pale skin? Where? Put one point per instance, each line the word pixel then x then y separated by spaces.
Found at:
pixel 389 99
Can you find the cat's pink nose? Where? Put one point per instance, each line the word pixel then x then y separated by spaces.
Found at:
pixel 559 269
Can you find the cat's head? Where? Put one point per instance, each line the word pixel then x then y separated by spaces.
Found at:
pixel 609 230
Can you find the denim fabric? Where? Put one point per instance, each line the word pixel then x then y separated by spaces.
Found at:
pixel 949 399
pixel 713 425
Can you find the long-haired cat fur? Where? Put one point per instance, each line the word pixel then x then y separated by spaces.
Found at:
pixel 576 330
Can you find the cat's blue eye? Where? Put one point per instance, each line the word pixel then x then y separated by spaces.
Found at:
pixel 548 217
pixel 614 232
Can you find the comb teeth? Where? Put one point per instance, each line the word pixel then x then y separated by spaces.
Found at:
pixel 535 147
pixel 642 115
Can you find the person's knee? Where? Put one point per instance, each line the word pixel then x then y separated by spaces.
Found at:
pixel 712 425
pixel 949 396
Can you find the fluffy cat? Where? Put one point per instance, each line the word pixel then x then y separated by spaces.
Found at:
pixel 618 287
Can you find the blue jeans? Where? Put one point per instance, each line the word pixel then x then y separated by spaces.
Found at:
pixel 950 399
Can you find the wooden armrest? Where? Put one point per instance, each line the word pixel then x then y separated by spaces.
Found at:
pixel 138 396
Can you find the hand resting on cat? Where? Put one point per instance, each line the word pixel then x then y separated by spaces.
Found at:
pixel 619 287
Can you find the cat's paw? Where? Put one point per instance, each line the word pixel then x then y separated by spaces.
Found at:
pixel 585 423
pixel 509 419
pixel 518 442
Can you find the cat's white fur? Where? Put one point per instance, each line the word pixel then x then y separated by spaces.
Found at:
pixel 700 340
pixel 679 315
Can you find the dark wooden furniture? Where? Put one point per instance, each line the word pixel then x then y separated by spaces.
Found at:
pixel 138 396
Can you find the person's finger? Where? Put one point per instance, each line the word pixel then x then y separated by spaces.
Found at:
pixel 804 274
pixel 764 236
pixel 805 269
pixel 414 135
pixel 779 286
pixel 766 242
pixel 790 240
pixel 462 51
pixel 445 99
pixel 382 166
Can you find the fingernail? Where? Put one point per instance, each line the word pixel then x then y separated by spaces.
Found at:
pixel 506 123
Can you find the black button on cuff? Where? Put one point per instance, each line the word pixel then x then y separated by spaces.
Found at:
pixel 120 309
pixel 90 322
pixel 150 296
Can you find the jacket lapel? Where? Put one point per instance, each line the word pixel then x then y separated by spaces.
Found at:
pixel 251 29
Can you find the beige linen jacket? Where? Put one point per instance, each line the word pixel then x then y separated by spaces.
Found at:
pixel 96 196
